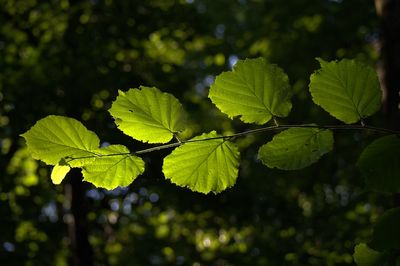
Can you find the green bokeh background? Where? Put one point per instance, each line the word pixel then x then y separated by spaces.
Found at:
pixel 71 57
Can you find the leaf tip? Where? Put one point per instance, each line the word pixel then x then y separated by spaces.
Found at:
pixel 321 61
pixel 23 135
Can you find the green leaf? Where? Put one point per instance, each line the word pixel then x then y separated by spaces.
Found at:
pixel 380 164
pixel 59 172
pixel 365 256
pixel 386 234
pixel 56 138
pixel 203 166
pixel 296 148
pixel 148 115
pixel 112 171
pixel 254 90
pixel 347 89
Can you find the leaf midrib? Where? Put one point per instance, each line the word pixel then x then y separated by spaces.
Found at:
pixel 203 161
pixel 147 114
pixel 254 93
pixel 345 88
pixel 61 144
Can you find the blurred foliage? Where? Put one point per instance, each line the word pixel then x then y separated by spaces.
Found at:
pixel 70 58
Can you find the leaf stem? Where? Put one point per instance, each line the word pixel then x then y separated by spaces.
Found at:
pixel 252 131
pixel 275 121
pixel 177 138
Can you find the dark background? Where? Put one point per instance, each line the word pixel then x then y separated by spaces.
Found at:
pixel 71 57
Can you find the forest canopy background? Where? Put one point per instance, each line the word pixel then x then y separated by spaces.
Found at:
pixel 71 57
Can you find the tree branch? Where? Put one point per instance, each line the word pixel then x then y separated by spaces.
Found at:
pixel 252 131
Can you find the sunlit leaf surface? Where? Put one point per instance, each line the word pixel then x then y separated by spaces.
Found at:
pixel 55 138
pixel 254 90
pixel 109 172
pixel 59 172
pixel 347 89
pixel 203 166
pixel 148 115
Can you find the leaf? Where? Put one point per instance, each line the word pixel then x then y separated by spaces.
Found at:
pixel 347 89
pixel 112 171
pixel 148 115
pixel 55 138
pixel 254 90
pixel 380 164
pixel 296 148
pixel 386 234
pixel 203 166
pixel 365 256
pixel 59 172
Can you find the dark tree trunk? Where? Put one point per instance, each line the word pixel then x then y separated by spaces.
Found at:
pixel 389 11
pixel 76 218
pixel 76 98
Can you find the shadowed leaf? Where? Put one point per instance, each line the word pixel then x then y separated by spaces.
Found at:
pixel 296 148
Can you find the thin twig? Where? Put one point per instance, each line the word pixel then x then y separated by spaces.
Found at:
pixel 252 131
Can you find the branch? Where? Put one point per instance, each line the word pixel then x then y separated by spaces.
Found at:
pixel 253 131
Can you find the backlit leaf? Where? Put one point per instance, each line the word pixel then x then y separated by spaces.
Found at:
pixel 55 138
pixel 380 164
pixel 254 90
pixel 112 171
pixel 347 89
pixel 203 166
pixel 148 115
pixel 296 148
pixel 58 173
